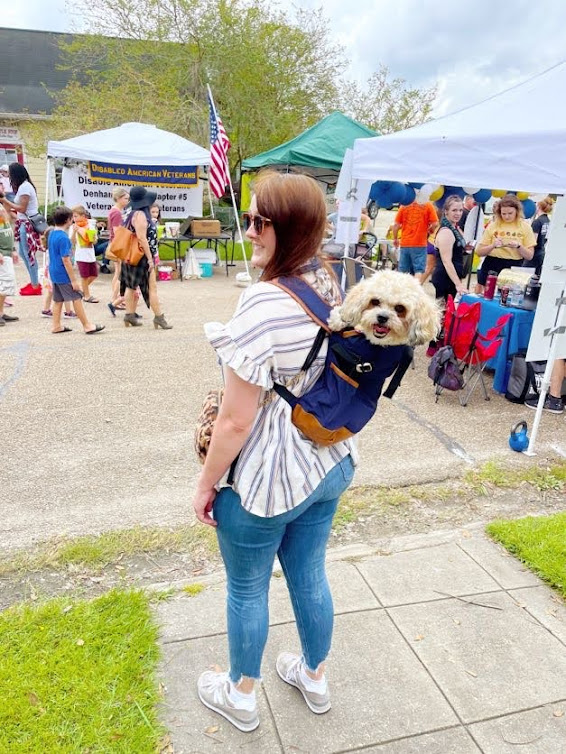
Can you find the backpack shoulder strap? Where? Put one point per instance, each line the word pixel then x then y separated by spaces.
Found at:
pixel 314 305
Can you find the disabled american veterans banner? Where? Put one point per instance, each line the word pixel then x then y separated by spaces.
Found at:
pixel 96 196
pixel 144 175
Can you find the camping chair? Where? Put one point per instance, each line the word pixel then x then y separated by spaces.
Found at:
pixel 471 348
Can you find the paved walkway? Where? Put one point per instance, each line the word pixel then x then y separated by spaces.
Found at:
pixel 444 644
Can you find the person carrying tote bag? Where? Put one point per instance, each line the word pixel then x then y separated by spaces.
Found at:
pixel 142 274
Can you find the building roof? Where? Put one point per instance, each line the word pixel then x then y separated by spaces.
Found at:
pixel 29 68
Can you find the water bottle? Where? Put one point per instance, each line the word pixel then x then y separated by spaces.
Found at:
pixel 490 285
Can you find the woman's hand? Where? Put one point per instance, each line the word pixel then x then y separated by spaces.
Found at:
pixel 202 504
pixel 498 243
pixel 461 289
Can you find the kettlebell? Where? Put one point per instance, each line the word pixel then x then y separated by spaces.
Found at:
pixel 518 439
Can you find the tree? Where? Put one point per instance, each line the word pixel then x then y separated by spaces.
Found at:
pixel 150 60
pixel 388 105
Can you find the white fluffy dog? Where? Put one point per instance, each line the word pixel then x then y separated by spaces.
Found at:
pixel 390 309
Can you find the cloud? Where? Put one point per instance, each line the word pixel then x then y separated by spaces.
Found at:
pixel 472 50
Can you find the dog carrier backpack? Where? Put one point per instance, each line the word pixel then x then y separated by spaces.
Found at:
pixel 344 398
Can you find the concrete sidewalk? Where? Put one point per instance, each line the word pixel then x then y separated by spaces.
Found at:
pixel 443 644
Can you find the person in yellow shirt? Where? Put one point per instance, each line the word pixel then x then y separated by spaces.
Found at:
pixel 507 240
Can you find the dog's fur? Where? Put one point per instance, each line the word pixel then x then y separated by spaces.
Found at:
pixel 390 309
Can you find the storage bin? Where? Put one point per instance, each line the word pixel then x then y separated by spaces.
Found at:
pixel 206 269
pixel 164 273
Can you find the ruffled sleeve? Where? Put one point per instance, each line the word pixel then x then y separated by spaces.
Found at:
pixel 250 341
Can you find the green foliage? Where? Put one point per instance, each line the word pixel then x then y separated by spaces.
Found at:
pixel 540 542
pixel 79 676
pixel 388 105
pixel 149 60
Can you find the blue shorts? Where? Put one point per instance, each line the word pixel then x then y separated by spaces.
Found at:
pixel 412 259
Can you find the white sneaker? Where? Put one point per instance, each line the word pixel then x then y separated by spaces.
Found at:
pixel 214 692
pixel 290 668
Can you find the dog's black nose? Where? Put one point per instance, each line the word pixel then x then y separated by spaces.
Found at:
pixel 382 319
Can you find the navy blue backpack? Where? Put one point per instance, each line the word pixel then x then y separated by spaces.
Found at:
pixel 344 398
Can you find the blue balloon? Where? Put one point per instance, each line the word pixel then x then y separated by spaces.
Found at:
pixel 481 196
pixel 451 190
pixel 409 195
pixel 529 207
pixel 387 193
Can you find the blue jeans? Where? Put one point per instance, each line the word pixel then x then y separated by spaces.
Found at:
pixel 412 259
pixel 24 253
pixel 249 543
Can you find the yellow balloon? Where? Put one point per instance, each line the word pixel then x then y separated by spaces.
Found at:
pixel 499 193
pixel 522 195
pixel 437 194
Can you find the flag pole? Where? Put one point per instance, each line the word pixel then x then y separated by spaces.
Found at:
pixel 244 276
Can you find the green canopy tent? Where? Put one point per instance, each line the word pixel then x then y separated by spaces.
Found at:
pixel 320 146
pixel 318 151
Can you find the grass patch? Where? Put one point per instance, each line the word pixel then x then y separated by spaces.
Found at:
pixel 539 542
pixel 193 589
pixel 551 477
pixel 98 551
pixel 79 677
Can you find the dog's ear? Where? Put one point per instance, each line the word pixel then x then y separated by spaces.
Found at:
pixel 350 311
pixel 335 321
pixel 425 322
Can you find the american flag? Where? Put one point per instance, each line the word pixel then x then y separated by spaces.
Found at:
pixel 219 146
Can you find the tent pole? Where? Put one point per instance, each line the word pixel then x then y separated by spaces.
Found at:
pixel 551 358
pixel 47 171
pixel 240 237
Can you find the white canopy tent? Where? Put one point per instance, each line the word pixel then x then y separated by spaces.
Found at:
pixel 131 144
pixel 515 140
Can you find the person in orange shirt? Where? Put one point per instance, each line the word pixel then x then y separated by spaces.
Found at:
pixel 417 222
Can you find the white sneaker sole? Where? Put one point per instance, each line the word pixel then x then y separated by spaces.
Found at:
pixel 316 710
pixel 244 727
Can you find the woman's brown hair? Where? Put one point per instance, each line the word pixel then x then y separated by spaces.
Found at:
pixel 509 200
pixel 295 205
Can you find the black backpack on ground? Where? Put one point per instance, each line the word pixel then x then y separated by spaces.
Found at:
pixel 525 377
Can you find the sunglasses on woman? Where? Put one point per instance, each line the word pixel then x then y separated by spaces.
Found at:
pixel 257 221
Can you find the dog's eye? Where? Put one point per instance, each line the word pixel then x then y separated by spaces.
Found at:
pixel 375 302
pixel 400 309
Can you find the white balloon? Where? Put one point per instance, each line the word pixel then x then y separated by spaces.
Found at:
pixel 426 190
pixel 469 190
pixel 538 197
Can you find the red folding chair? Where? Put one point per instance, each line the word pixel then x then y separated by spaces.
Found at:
pixel 471 348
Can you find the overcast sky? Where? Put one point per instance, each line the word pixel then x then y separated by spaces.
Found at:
pixel 471 50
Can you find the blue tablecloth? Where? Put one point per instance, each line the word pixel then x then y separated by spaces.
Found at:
pixel 515 334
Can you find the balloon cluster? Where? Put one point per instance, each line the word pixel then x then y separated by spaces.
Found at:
pixel 388 193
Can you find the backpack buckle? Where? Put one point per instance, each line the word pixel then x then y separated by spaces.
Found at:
pixel 364 367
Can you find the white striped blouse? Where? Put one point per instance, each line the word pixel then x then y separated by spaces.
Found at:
pixel 266 341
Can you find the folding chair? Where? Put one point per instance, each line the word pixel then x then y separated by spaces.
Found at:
pixel 471 348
